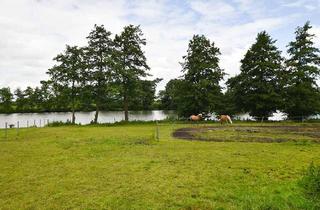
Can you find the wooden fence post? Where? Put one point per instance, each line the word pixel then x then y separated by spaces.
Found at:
pixel 6 131
pixel 157 131
pixel 18 128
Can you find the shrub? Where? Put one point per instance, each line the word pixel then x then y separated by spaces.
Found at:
pixel 311 181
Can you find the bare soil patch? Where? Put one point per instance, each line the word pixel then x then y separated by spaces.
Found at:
pixel 263 134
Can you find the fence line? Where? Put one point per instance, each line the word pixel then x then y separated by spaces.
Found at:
pixel 18 125
pixel 43 122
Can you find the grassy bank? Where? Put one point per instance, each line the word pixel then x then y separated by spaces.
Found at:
pixel 124 167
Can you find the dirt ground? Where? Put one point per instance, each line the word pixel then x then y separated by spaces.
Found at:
pixel 263 134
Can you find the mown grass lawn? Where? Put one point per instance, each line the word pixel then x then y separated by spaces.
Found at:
pixel 123 167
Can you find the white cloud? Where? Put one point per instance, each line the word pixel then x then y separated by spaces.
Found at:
pixel 213 10
pixel 306 4
pixel 316 31
pixel 33 32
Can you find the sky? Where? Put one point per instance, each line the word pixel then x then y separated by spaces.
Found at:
pixel 32 32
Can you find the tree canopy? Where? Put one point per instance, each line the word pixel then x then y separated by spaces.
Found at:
pixel 68 73
pixel 257 88
pixel 111 73
pixel 302 96
pixel 199 88
pixel 130 63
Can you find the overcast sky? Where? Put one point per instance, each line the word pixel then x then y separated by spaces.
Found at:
pixel 32 32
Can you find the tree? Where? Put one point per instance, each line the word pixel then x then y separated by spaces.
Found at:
pixel 60 97
pixel 257 88
pixel 20 100
pixel 29 99
pixel 98 58
pixel 37 100
pixel 67 73
pixel 200 90
pixel 169 96
pixel 46 96
pixel 5 100
pixel 302 96
pixel 144 95
pixel 228 106
pixel 129 62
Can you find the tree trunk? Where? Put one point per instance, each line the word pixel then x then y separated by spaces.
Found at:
pixel 125 104
pixel 73 116
pixel 73 120
pixel 98 94
pixel 96 114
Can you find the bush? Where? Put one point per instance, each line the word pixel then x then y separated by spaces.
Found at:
pixel 311 181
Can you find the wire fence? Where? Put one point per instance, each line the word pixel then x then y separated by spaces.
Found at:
pixel 175 123
pixel 9 127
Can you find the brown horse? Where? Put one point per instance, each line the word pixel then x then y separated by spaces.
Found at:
pixel 195 117
pixel 225 119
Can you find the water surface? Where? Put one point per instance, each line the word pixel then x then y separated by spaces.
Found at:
pixel 41 119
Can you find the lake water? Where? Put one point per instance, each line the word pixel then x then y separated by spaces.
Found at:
pixel 41 119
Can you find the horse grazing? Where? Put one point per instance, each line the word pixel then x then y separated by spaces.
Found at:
pixel 225 119
pixel 195 117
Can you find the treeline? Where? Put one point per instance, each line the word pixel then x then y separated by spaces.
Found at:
pixel 107 74
pixel 47 98
pixel 267 81
pixel 110 73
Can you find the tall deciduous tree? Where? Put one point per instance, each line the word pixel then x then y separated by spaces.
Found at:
pixel 130 62
pixel 302 94
pixel 99 71
pixel 200 90
pixel 257 88
pixel 67 73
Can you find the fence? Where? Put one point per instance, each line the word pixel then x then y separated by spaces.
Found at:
pixel 175 123
pixel 25 124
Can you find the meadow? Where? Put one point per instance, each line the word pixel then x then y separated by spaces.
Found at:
pixel 126 167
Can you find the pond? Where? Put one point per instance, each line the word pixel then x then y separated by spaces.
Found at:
pixel 41 119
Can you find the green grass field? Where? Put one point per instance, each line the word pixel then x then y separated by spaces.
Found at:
pixel 124 167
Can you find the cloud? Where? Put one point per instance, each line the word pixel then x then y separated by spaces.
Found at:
pixel 33 32
pixel 316 31
pixel 306 4
pixel 213 10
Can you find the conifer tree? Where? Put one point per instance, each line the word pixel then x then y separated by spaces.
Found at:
pixel 129 62
pixel 302 96
pixel 257 88
pixel 99 71
pixel 200 90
